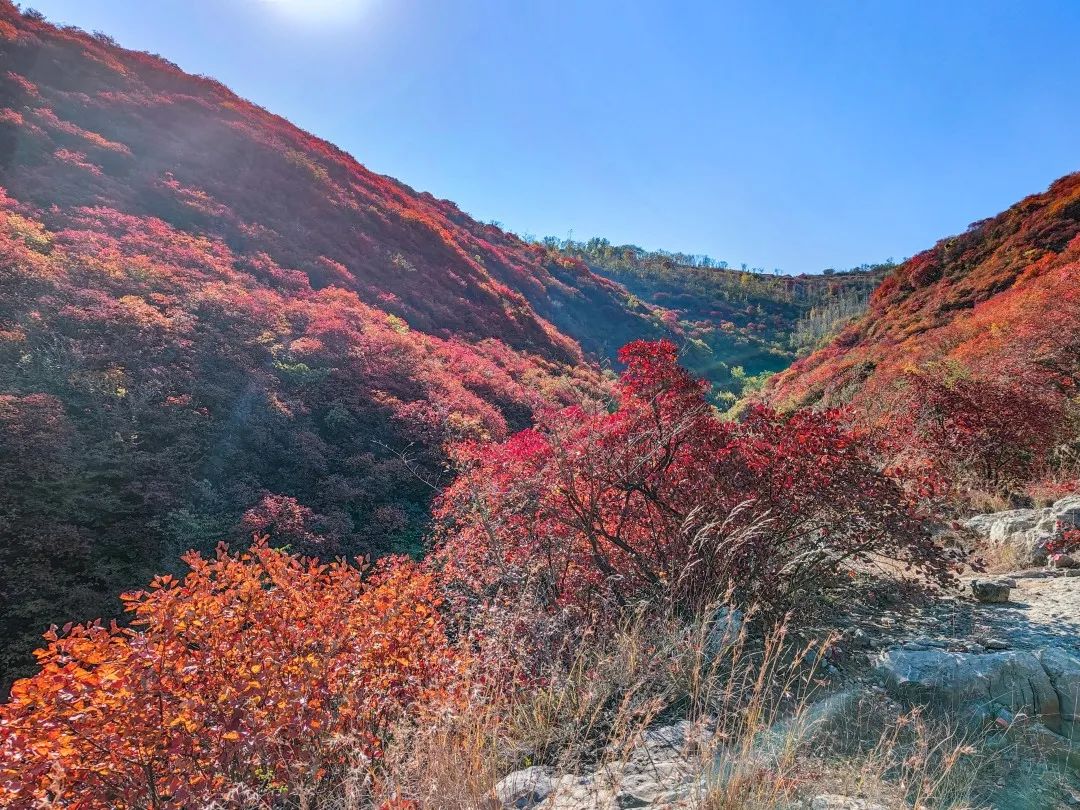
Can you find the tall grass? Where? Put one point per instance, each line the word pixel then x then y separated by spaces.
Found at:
pixel 765 726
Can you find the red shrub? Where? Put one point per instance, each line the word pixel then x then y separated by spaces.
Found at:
pixel 592 511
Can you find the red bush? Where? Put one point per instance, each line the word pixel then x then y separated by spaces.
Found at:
pixel 592 511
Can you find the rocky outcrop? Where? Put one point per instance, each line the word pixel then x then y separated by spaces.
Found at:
pixel 526 788
pixel 662 771
pixel 1028 531
pixel 1041 685
pixel 1063 671
pixel 832 801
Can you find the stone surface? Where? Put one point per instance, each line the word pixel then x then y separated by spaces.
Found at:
pixel 726 628
pixel 990 590
pixel 1063 670
pixel 1014 679
pixel 834 801
pixel 1028 531
pixel 525 788
pixel 1014 664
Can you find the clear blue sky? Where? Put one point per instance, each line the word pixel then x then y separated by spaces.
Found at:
pixel 797 135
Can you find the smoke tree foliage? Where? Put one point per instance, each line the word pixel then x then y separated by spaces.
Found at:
pixel 592 511
pixel 969 356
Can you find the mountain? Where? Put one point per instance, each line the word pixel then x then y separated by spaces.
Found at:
pixel 213 324
pixel 969 352
pixel 735 327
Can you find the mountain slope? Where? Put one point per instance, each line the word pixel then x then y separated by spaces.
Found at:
pixel 732 324
pixel 970 346
pixel 213 324
pixel 88 123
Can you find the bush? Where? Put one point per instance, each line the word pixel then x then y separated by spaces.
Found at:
pixel 592 512
pixel 259 674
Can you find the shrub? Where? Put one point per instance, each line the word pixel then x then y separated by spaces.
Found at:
pixel 591 512
pixel 977 430
pixel 259 674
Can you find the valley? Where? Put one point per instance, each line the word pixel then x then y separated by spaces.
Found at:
pixel 318 493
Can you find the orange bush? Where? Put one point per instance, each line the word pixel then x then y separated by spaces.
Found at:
pixel 256 671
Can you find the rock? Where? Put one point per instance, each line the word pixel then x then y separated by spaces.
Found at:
pixel 1014 679
pixel 1028 531
pixel 645 789
pixel 1063 670
pixel 995 644
pixel 1063 561
pixel 1007 525
pixel 724 632
pixel 858 638
pixel 990 590
pixel 926 641
pixel 834 801
pixel 1067 511
pixel 525 788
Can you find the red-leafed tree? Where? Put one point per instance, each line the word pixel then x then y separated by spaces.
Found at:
pixel 592 511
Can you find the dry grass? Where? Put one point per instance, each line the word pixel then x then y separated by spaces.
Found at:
pixel 771 739
pixel 1000 558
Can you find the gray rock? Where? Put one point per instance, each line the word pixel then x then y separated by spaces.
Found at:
pixel 1064 561
pixel 1063 670
pixel 1014 679
pixel 990 590
pixel 525 788
pixel 1007 525
pixel 834 801
pixel 724 632
pixel 926 641
pixel 858 638
pixel 1067 512
pixel 1028 531
pixel 995 644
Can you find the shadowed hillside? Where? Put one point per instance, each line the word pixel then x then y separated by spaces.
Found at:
pixel 734 326
pixel 213 324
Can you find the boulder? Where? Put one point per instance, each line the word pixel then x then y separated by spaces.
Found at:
pixel 525 788
pixel 1064 561
pixel 990 590
pixel 1014 679
pixel 1063 670
pixel 1006 525
pixel 1066 512
pixel 1028 531
pixel 725 631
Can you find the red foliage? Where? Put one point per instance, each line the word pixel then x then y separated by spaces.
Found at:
pixel 255 672
pixel 1067 543
pixel 592 511
pixel 970 354
pixel 991 432
pixel 218 305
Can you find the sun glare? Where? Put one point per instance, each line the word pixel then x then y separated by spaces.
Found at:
pixel 318 12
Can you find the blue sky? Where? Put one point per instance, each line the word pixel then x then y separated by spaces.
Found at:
pixel 792 135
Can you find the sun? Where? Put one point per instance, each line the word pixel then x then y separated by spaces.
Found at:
pixel 320 12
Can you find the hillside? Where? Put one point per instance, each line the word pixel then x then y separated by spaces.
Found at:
pixel 970 351
pixel 732 325
pixel 214 324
